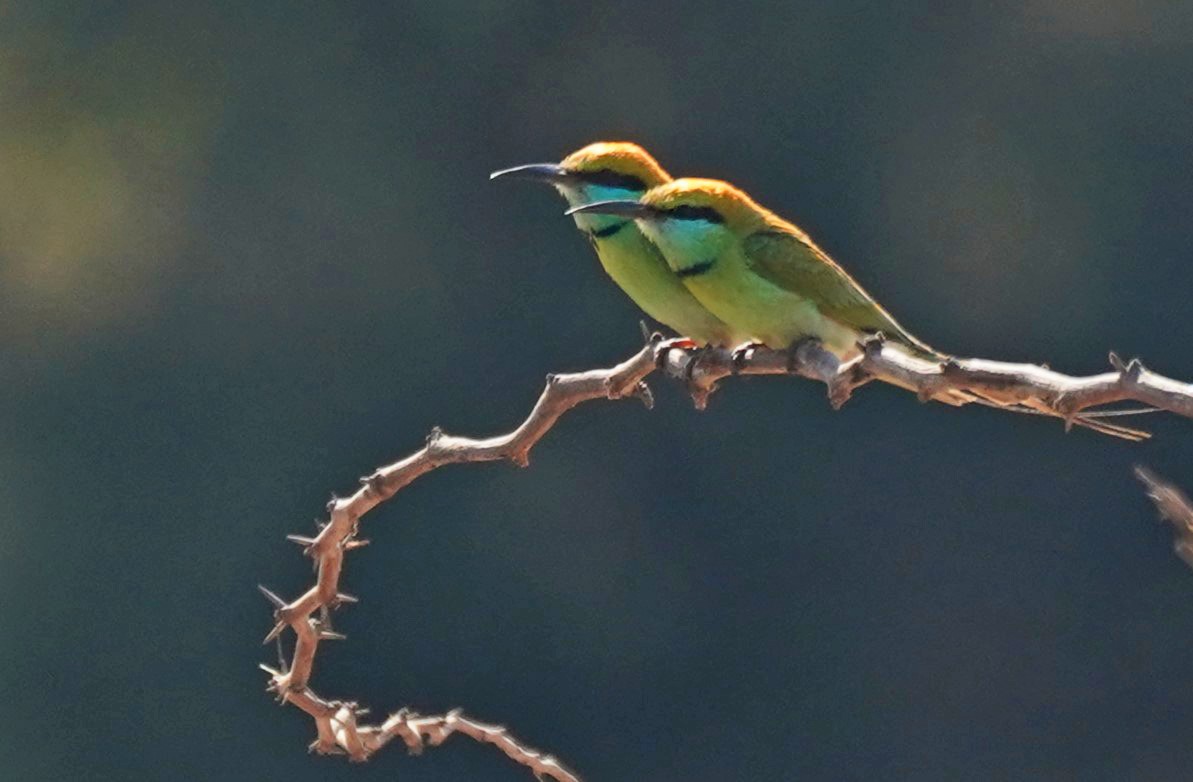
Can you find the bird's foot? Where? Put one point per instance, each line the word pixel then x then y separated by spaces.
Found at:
pixel 665 347
pixel 689 371
pixel 737 359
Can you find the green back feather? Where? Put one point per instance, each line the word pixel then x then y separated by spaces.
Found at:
pixel 792 262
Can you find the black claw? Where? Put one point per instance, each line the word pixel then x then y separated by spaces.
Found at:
pixel 374 483
pixel 950 366
pixel 737 359
pixel 690 370
pixel 793 359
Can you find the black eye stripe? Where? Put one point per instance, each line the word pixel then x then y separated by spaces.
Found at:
pixel 688 212
pixel 608 230
pixel 606 178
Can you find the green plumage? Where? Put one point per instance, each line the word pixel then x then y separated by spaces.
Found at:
pixel 638 268
pixel 621 170
pixel 794 264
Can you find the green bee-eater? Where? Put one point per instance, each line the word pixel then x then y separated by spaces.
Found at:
pixel 764 276
pixel 618 170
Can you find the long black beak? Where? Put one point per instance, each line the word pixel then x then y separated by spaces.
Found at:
pixel 631 209
pixel 539 172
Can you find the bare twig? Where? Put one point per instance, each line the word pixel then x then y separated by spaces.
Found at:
pixel 338 728
pixel 1174 507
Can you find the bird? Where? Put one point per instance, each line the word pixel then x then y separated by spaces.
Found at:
pixel 613 170
pixel 766 278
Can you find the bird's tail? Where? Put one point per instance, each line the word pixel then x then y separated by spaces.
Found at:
pixel 1093 421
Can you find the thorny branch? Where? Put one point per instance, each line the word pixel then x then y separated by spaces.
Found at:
pixel 339 730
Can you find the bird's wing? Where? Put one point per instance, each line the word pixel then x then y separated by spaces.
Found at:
pixel 792 262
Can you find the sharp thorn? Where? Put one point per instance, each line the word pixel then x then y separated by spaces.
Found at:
pixel 301 540
pixel 282 664
pixel 271 597
pixel 277 629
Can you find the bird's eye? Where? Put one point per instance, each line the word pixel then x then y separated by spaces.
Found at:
pixel 688 212
pixel 607 178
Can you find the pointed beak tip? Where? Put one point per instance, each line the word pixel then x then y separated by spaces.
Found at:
pixel 542 172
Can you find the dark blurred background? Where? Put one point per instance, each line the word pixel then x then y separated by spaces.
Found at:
pixel 249 251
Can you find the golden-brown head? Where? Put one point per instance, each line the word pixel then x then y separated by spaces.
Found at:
pixel 712 200
pixel 617 164
pixel 604 171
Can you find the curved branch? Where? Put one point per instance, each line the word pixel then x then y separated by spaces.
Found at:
pixel 337 722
